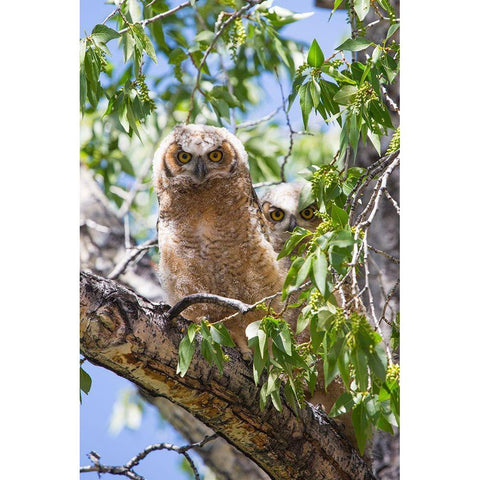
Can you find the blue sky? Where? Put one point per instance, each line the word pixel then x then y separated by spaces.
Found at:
pixel 97 407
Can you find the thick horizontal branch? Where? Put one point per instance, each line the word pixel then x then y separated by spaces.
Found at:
pixel 189 300
pixel 134 338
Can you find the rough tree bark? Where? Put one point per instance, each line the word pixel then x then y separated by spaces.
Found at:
pixel 134 338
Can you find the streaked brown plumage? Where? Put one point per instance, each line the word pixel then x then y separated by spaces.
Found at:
pixel 211 232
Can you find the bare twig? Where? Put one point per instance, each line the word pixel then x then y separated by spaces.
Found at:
pixel 372 205
pixel 266 184
pixel 94 225
pixel 114 12
pixel 364 180
pixel 127 469
pixel 133 254
pixel 147 21
pixel 385 254
pixel 127 203
pixel 290 129
pixel 266 118
pixel 393 106
pixel 387 301
pixel 392 201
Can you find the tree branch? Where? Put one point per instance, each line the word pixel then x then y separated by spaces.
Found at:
pixel 133 337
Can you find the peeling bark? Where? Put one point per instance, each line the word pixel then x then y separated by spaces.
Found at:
pixel 129 335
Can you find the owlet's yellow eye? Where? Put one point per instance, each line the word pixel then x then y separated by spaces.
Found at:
pixel 184 157
pixel 215 156
pixel 307 213
pixel 277 215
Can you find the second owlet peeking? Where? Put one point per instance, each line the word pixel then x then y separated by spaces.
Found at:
pixel 212 235
pixel 280 205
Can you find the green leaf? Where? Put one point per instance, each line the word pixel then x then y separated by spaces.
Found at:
pixel 342 238
pixel 342 405
pixel 320 271
pixel 306 102
pixel 346 95
pixel 295 238
pixel 339 216
pixel 290 279
pixel 361 8
pixel 354 44
pixel 283 340
pixel 378 362
pixel 258 361
pixel 191 332
pixel 361 426
pixel 302 322
pixel 295 87
pixel 393 28
pixel 205 36
pixel 220 335
pixel 103 34
pixel 315 56
pixel 186 349
pixel 85 381
pixel 280 16
pixel 377 53
pixel 252 329
pixel 360 363
pixel 306 197
pixel 262 342
pixel 221 107
pixel 221 92
pixel 276 400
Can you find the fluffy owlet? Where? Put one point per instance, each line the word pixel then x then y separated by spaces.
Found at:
pixel 211 231
pixel 280 205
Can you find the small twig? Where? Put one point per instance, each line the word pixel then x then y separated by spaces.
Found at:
pixel 133 253
pixel 127 469
pixel 371 302
pixel 392 201
pixel 266 118
pixel 385 254
pixel 127 203
pixel 266 184
pixel 147 21
pixel 387 300
pixel 373 204
pixel 365 179
pixel 290 129
pixel 393 106
pixel 114 12
pixel 94 225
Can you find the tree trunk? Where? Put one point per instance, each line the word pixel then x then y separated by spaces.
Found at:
pixel 134 338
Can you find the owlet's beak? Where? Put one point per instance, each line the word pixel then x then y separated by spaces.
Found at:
pixel 292 224
pixel 200 171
